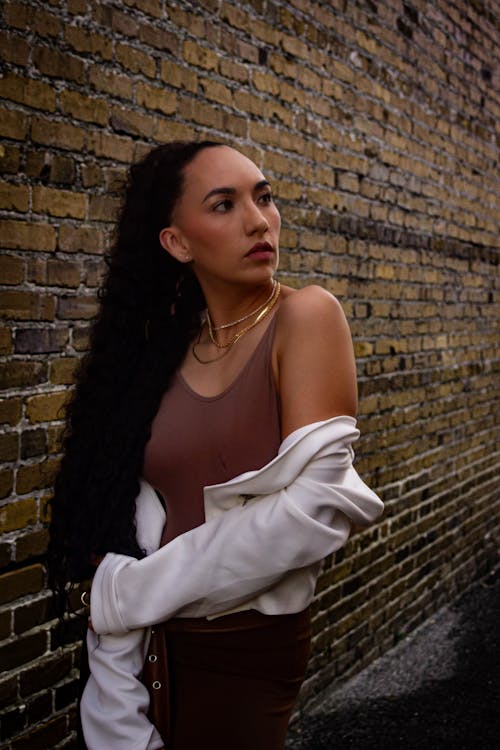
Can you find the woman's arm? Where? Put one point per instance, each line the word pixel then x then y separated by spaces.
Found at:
pixel 115 702
pixel 227 560
pixel 245 550
pixel 317 371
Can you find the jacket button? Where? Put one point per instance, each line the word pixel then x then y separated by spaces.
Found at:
pixel 152 657
pixel 156 685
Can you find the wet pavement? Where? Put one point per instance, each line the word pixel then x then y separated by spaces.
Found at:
pixel 438 689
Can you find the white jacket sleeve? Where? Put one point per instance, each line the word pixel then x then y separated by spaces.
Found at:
pixel 114 703
pixel 249 547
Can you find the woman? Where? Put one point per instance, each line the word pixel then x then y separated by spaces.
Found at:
pixel 205 376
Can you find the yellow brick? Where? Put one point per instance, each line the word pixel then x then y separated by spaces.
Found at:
pixel 46 407
pixel 283 66
pixel 18 515
pixel 14 197
pixel 129 121
pixel 84 107
pixel 201 57
pixel 217 92
pixel 235 17
pixel 110 82
pixel 178 76
pixel 26 305
pixel 111 146
pixel 266 82
pixel 13 124
pixel 28 91
pixel 60 134
pixel 62 370
pixel 155 97
pixel 294 46
pixel 135 60
pixel 88 42
pixel 170 130
pixel 59 202
pixel 10 410
pixel 363 348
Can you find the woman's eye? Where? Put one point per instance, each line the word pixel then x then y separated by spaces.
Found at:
pixel 266 198
pixel 223 206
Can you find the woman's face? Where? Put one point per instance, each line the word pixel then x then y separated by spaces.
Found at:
pixel 226 209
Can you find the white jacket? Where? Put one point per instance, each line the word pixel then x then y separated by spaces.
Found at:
pixel 261 547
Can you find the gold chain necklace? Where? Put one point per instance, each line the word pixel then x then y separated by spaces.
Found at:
pixel 263 313
pixel 227 347
pixel 245 317
pixel 205 361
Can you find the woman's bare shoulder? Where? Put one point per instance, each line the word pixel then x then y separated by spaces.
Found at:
pixel 315 359
pixel 310 305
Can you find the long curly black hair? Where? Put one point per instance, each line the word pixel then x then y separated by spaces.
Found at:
pixel 150 308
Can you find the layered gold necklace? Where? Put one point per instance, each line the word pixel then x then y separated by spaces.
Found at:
pixel 261 312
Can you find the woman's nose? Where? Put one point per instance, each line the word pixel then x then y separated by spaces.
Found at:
pixel 255 221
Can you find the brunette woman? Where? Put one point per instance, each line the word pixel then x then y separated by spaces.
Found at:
pixel 203 367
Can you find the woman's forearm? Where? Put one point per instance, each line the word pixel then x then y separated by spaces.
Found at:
pixel 227 560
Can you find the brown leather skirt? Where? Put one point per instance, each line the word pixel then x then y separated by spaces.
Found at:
pixel 233 680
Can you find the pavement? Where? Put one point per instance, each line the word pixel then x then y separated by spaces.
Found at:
pixel 438 689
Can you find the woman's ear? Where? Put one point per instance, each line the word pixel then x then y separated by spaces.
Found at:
pixel 171 240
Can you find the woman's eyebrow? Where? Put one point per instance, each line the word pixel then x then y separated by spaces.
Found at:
pixel 232 190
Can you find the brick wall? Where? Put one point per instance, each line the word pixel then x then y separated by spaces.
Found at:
pixel 376 124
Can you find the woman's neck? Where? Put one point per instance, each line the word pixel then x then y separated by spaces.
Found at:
pixel 228 306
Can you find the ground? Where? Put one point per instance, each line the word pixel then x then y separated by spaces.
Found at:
pixel 438 689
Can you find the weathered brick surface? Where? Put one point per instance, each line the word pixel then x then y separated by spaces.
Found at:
pixel 376 123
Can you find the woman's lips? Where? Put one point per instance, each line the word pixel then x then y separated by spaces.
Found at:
pixel 262 250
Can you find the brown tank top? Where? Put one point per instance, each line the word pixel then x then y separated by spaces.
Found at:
pixel 200 440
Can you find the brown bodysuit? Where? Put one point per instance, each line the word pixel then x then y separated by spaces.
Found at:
pixel 232 680
pixel 201 440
